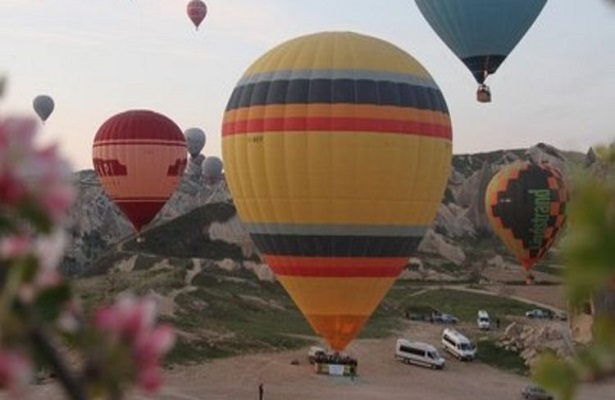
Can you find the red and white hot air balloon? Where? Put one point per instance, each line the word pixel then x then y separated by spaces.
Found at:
pixel 139 157
pixel 197 10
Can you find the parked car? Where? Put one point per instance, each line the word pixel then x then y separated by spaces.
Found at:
pixel 539 313
pixel 483 321
pixel 417 316
pixel 533 392
pixel 446 319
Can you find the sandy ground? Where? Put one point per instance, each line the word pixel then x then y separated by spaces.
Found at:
pixel 380 376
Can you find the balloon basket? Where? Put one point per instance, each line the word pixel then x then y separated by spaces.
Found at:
pixel 336 365
pixel 483 94
pixel 325 368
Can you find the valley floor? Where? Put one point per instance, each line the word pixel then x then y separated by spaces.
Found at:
pixel 380 376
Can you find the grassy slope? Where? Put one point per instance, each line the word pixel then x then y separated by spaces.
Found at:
pixel 229 313
pixel 465 305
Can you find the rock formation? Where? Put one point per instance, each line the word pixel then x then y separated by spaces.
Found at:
pixel 434 243
pixel 531 340
pixel 97 224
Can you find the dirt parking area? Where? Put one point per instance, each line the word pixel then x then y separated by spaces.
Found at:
pixel 380 376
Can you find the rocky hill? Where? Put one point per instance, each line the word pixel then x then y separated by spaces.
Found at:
pixel 199 221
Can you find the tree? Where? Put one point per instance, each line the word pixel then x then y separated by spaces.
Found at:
pixel 589 256
pixel 41 321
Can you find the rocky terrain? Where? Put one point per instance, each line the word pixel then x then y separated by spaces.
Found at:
pixel 99 228
pixel 532 339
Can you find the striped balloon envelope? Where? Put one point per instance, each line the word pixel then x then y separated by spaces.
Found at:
pixel 526 207
pixel 337 150
pixel 139 157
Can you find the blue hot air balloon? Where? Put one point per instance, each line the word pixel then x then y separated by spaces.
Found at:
pixel 481 33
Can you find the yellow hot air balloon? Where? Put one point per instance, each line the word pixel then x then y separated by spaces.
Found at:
pixel 337 150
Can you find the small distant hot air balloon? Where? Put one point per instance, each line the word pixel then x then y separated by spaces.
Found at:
pixel 43 106
pixel 197 10
pixel 198 160
pixel 481 33
pixel 337 150
pixel 139 157
pixel 526 206
pixel 195 141
pixel 212 170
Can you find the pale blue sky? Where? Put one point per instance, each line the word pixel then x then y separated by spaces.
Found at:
pixel 100 57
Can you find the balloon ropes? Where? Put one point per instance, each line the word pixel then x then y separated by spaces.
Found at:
pixel 337 150
pixel 196 10
pixel 481 33
pixel 526 206
pixel 43 105
pixel 139 157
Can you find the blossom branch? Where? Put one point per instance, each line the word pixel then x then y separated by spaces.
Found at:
pixel 73 387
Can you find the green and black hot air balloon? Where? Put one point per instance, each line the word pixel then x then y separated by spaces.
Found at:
pixel 526 206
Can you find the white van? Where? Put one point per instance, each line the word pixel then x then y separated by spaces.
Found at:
pixel 483 320
pixel 458 345
pixel 418 353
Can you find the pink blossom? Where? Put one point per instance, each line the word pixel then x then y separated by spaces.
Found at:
pixel 12 191
pixel 16 151
pixel 150 346
pixel 28 291
pixel 27 172
pixel 15 371
pixel 49 250
pixel 105 320
pixel 138 316
pixel 71 317
pixel 128 317
pixel 149 379
pixel 15 246
pixel 52 182
pixel 38 177
pixel 132 321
